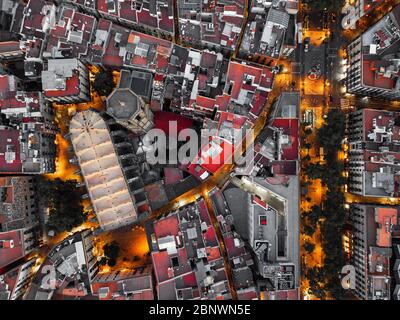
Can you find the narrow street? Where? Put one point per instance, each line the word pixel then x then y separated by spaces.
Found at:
pixel 222 246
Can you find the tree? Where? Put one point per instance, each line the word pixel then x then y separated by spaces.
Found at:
pixel 307 131
pixel 314 215
pixel 104 83
pixel 306 158
pixel 330 135
pixel 307 145
pixel 315 274
pixel 309 247
pixel 65 220
pixel 308 230
pixel 315 170
pixel 64 202
pixel 326 279
pixel 111 250
pixel 103 261
pixel 319 5
pixel 111 262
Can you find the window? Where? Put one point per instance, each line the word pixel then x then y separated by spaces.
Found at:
pixel 262 220
pixel 175 262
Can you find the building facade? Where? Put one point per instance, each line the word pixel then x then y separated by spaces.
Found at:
pixel 373 65
pixel 66 81
pixel 15 283
pixel 374 153
pixel 372 228
pixel 27 130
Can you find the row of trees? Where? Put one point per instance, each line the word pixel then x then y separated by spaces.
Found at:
pixel 64 201
pixel 319 5
pixel 330 216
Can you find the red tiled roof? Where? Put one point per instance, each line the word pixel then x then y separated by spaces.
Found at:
pixel 237 120
pixel 385 217
pixel 127 11
pixel 213 253
pixel 143 295
pixel 211 163
pixel 163 120
pixel 210 237
pixel 190 280
pixel 205 102
pixel 10 99
pixel 232 250
pixel 204 214
pixel 237 71
pixel 172 175
pixel 247 295
pixel 291 128
pixel 9 46
pixel 168 226
pixel 58 35
pixel 282 295
pixel 161 263
pixel 166 23
pixel 383 118
pixel 111 56
pixel 145 18
pixel 33 25
pixel 258 103
pixel 196 170
pixel 287 167
pixel 115 287
pixel 372 79
pixel 163 266
pixel 102 6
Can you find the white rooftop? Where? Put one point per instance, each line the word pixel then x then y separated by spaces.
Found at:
pixel 101 170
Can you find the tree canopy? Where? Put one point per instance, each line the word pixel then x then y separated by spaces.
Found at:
pixel 309 247
pixel 64 202
pixel 326 279
pixel 319 5
pixel 331 134
pixel 111 252
pixel 104 83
